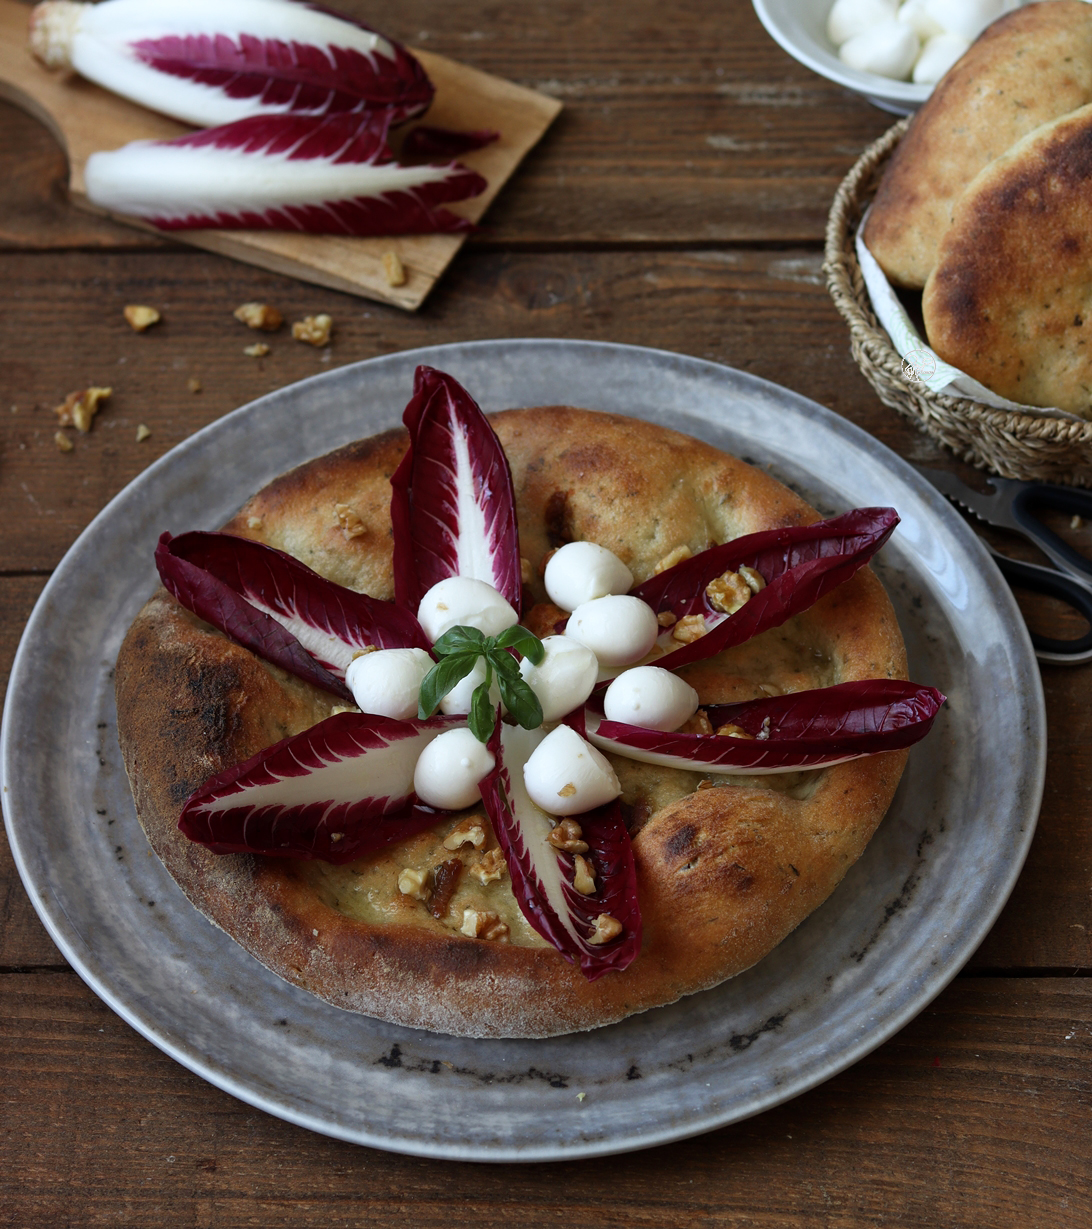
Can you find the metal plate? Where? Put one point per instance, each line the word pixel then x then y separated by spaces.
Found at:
pixel 895 932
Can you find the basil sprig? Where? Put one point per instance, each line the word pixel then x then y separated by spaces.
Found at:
pixel 459 650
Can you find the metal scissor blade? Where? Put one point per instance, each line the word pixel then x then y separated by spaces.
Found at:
pixel 993 507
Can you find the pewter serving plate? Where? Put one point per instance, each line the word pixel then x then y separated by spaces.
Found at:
pixel 895 932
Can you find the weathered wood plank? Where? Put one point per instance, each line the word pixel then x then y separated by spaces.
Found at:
pixel 971 1116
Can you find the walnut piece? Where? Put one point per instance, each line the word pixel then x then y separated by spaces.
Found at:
pixel 606 928
pixel 568 836
pixel 698 724
pixel 755 580
pixel 78 409
pixel 484 924
pixel 193 384
pixel 393 268
pixel 491 867
pixel 666 619
pixel 470 831
pixel 526 572
pixel 314 330
pixel 352 526
pixel 583 875
pixel 141 318
pixel 414 883
pixel 728 593
pixel 253 522
pixel 733 731
pixel 688 629
pixel 258 350
pixel 259 316
pixel 676 556
pixel 142 433
pixel 64 444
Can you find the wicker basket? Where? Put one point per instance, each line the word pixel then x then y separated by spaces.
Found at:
pixel 1012 444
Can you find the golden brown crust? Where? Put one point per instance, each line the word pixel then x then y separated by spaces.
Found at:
pixel 1026 69
pixel 725 873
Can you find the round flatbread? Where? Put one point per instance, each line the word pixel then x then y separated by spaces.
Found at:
pixel 726 867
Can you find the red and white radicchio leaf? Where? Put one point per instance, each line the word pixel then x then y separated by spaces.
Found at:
pixel 337 791
pixel 210 62
pixel 423 142
pixel 279 608
pixel 804 729
pixel 452 504
pixel 799 564
pixel 327 175
pixel 542 876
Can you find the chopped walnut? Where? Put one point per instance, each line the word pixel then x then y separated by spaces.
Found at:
pixel 567 790
pixel 193 384
pixel 470 831
pixel 728 593
pixel 491 868
pixel 141 318
pixel 368 648
pixel 78 409
pixel 259 316
pixel 253 522
pixel 706 783
pixel 258 350
pixel 756 582
pixel 583 875
pixel 352 526
pixel 698 724
pixel 314 330
pixel 606 928
pixel 142 433
pixel 483 924
pixel 526 572
pixel 676 556
pixel 568 836
pixel 64 444
pixel 445 879
pixel 688 629
pixel 733 731
pixel 765 731
pixel 414 883
pixel 393 268
pixel 771 689
pixel 343 708
pixel 666 619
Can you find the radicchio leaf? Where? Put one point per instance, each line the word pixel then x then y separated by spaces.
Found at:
pixel 422 142
pixel 799 563
pixel 804 729
pixel 452 504
pixel 279 608
pixel 542 875
pixel 337 791
pixel 323 175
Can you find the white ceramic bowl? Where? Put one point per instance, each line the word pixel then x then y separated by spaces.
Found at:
pixel 800 27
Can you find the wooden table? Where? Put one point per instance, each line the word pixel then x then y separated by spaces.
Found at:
pixel 678 202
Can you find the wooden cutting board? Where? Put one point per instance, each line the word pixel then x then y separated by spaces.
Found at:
pixel 84 118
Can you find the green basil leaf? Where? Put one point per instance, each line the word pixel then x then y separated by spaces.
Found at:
pixel 482 717
pixel 504 663
pixel 520 701
pixel 441 679
pixel 460 640
pixel 523 641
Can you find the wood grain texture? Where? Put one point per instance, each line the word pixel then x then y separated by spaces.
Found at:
pixel 972 1099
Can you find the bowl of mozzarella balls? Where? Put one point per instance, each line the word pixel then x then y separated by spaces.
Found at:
pixel 891 51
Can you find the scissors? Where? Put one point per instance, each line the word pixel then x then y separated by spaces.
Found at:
pixel 1009 504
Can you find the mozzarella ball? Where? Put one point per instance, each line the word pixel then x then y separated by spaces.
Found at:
pixel 937 56
pixel 580 571
pixel 966 17
pixel 889 50
pixel 564 678
pixel 457 700
pixel 652 697
pixel 449 769
pixel 619 629
pixel 565 775
pixel 460 601
pixel 915 13
pixel 851 17
pixel 388 681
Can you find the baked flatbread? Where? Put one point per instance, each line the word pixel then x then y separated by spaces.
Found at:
pixel 1010 300
pixel 1026 69
pixel 725 872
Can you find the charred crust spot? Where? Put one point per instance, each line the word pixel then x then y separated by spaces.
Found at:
pixel 680 841
pixel 558 519
pixel 737 878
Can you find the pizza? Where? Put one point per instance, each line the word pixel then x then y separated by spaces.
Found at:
pixel 462 919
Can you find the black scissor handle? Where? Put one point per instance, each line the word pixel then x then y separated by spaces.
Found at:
pixel 1054 584
pixel 1060 499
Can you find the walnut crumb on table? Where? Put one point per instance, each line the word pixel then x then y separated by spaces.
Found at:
pixel 78 409
pixel 314 330
pixel 393 269
pixel 142 433
pixel 64 444
pixel 194 384
pixel 258 350
pixel 259 316
pixel 141 318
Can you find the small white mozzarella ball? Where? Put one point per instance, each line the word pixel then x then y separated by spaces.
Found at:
pixel 457 700
pixel 966 17
pixel 888 51
pixel 580 571
pixel 851 17
pixel 937 56
pixel 652 697
pixel 449 769
pixel 460 601
pixel 388 681
pixel 565 775
pixel 915 14
pixel 619 629
pixel 564 678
